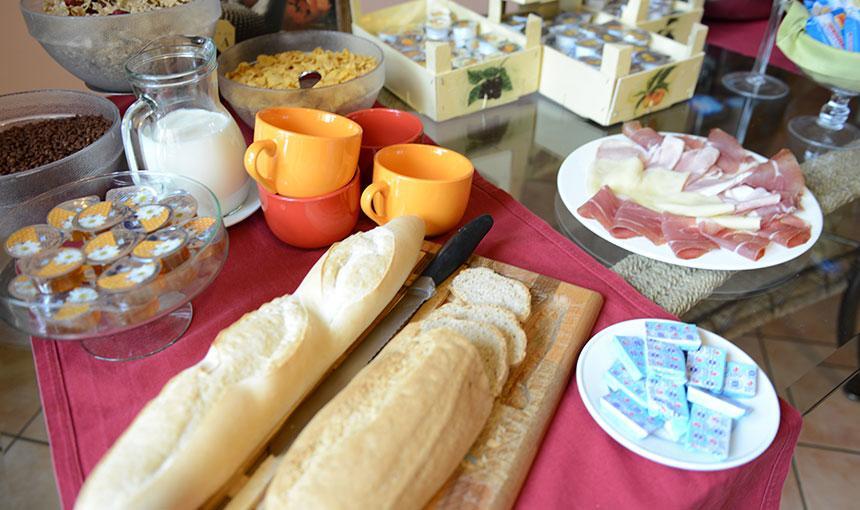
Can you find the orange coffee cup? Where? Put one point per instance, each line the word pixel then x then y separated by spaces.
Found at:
pixel 299 152
pixel 428 181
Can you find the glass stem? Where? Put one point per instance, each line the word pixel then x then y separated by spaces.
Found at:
pixel 766 47
pixel 834 114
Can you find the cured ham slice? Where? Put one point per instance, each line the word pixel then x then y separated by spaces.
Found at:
pixel 601 207
pixel 631 220
pixel 746 198
pixel 667 154
pixel 691 143
pixel 731 152
pixel 619 150
pixel 781 173
pixel 714 183
pixel 698 161
pixel 684 237
pixel 643 136
pixel 745 244
pixel 788 230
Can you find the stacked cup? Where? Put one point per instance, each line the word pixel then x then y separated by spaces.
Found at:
pixel 305 163
pixel 310 166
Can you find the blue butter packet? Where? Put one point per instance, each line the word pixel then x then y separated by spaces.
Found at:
pixel 851 32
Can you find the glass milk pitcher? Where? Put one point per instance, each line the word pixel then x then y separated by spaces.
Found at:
pixel 178 124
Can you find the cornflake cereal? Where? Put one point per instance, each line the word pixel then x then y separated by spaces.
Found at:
pixel 106 7
pixel 282 70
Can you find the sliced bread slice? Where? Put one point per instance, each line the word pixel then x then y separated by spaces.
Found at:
pixel 483 286
pixel 502 318
pixel 489 341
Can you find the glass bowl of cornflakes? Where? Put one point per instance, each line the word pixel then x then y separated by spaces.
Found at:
pixel 263 72
pixel 112 261
pixel 92 40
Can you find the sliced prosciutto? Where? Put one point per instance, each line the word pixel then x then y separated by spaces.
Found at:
pixel 619 150
pixel 691 143
pixel 631 220
pixel 601 207
pixel 731 152
pixel 698 161
pixel 684 237
pixel 788 230
pixel 645 137
pixel 781 173
pixel 746 198
pixel 667 154
pixel 745 244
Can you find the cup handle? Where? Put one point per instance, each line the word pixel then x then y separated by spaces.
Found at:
pixel 367 197
pixel 261 173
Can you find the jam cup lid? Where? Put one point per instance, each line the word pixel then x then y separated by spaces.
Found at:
pixel 162 243
pixel 101 216
pixel 132 196
pixel 183 204
pixel 128 274
pixel 54 263
pixel 148 218
pixel 110 246
pixel 22 287
pixel 74 303
pixel 32 240
pixel 63 216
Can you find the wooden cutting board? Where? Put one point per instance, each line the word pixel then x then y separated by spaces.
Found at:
pixel 495 468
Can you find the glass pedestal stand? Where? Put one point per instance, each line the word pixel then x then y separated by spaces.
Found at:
pixel 142 341
pixel 829 130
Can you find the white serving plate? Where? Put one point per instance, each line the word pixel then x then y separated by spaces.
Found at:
pixel 751 435
pixel 573 189
pixel 248 207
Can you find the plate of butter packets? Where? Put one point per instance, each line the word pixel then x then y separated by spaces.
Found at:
pixel 677 394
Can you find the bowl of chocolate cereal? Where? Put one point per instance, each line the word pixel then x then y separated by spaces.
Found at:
pixel 93 39
pixel 52 137
pixel 263 72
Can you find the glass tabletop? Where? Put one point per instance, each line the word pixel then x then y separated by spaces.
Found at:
pixel 519 147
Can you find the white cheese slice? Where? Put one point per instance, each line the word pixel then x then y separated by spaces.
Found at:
pixel 623 177
pixel 659 181
pixel 716 403
pixel 698 210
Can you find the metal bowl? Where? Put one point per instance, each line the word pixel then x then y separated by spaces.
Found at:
pixel 356 94
pixel 105 155
pixel 95 48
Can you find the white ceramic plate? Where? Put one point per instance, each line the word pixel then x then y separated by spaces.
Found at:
pixel 248 207
pixel 573 189
pixel 751 435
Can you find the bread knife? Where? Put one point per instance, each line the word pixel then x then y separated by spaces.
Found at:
pixel 451 256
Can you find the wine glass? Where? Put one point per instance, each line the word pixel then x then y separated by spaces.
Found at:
pixel 829 130
pixel 756 84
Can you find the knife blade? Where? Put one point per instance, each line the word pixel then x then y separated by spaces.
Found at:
pixel 452 255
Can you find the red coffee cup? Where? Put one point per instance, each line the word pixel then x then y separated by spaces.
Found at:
pixel 382 127
pixel 313 222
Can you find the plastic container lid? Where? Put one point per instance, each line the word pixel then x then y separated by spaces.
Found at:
pixel 32 240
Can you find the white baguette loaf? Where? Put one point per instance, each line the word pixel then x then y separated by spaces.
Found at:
pixel 191 438
pixel 392 437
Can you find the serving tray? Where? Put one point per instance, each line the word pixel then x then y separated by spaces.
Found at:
pixel 495 468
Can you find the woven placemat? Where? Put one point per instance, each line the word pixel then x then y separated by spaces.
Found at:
pixel 832 178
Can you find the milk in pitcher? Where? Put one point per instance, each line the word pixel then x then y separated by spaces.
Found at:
pixel 201 144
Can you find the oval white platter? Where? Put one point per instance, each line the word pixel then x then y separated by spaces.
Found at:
pixel 751 435
pixel 573 189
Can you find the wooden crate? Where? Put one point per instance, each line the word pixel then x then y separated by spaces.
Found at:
pixel 678 25
pixel 437 90
pixel 612 94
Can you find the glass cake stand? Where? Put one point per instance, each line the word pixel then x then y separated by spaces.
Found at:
pixel 112 330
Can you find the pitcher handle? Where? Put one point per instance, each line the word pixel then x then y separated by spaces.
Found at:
pixel 370 192
pixel 131 122
pixel 262 173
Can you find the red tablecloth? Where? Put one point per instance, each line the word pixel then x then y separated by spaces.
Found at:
pixel 744 37
pixel 88 403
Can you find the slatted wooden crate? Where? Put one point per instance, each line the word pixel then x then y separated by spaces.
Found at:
pixel 436 89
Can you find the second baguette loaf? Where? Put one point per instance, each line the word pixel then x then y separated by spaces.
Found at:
pixel 392 437
pixel 193 436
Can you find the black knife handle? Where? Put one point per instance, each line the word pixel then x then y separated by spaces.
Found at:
pixel 458 249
